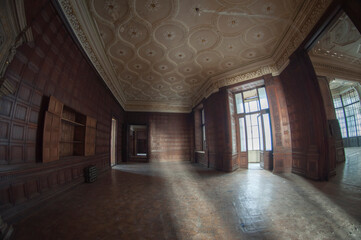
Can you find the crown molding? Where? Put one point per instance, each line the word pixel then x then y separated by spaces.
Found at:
pixel 333 68
pixel 135 106
pixel 81 23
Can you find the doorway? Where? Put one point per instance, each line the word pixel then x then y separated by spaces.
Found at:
pixel 138 143
pixel 337 47
pixel 113 143
pixel 255 136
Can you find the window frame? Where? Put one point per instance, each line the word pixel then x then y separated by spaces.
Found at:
pixel 260 112
pixel 345 128
pixel 203 128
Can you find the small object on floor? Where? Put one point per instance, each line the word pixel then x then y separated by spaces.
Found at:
pixel 90 174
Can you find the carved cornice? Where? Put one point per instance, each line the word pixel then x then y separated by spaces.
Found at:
pixel 335 71
pixel 306 19
pixel 96 56
pixel 245 73
pixel 135 106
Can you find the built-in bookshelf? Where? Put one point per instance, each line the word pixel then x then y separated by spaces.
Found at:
pixel 67 132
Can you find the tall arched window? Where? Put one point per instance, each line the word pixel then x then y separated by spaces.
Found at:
pixel 348 113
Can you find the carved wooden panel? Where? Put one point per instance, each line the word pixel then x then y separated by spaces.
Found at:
pixel 51 64
pixel 55 106
pixel 90 136
pixel 51 136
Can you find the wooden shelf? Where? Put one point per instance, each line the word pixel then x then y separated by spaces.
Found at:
pixel 77 132
pixel 72 122
pixel 76 142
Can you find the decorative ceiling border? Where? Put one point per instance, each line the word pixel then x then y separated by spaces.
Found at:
pixel 99 60
pixel 336 69
pixel 306 18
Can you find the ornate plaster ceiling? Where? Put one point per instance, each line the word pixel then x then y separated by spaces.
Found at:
pixel 166 55
pixel 338 52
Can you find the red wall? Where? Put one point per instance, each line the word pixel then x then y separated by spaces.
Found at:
pixel 52 65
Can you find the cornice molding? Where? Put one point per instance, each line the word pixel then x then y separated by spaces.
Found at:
pixel 305 20
pixel 82 25
pixel 135 106
pixel 336 68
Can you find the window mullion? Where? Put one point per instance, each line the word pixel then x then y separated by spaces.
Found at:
pixel 344 115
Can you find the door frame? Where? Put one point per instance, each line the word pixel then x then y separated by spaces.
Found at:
pixel 113 142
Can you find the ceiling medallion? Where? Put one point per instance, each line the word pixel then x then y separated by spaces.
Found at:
pixel 251 54
pixel 134 33
pixel 233 22
pixel 207 59
pixel 258 35
pixel 112 8
pixel 151 53
pixel 122 52
pixel 195 10
pixel 169 35
pixel 230 48
pixel 180 55
pixel 163 67
pixel 138 66
pixel 158 86
pixel 152 5
pixel 268 8
pixel 203 40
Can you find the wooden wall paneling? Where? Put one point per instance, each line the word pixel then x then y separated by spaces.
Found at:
pixel 217 131
pixel 90 136
pixel 169 135
pixel 52 66
pixel 5 200
pixel 281 159
pixel 31 188
pixel 307 116
pixel 335 143
pixel 55 106
pixel 17 192
pixel 231 158
pixel 51 137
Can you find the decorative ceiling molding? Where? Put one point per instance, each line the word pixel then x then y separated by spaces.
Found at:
pixel 164 56
pixel 155 107
pixel 306 19
pixel 336 69
pixel 82 25
pixel 338 53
